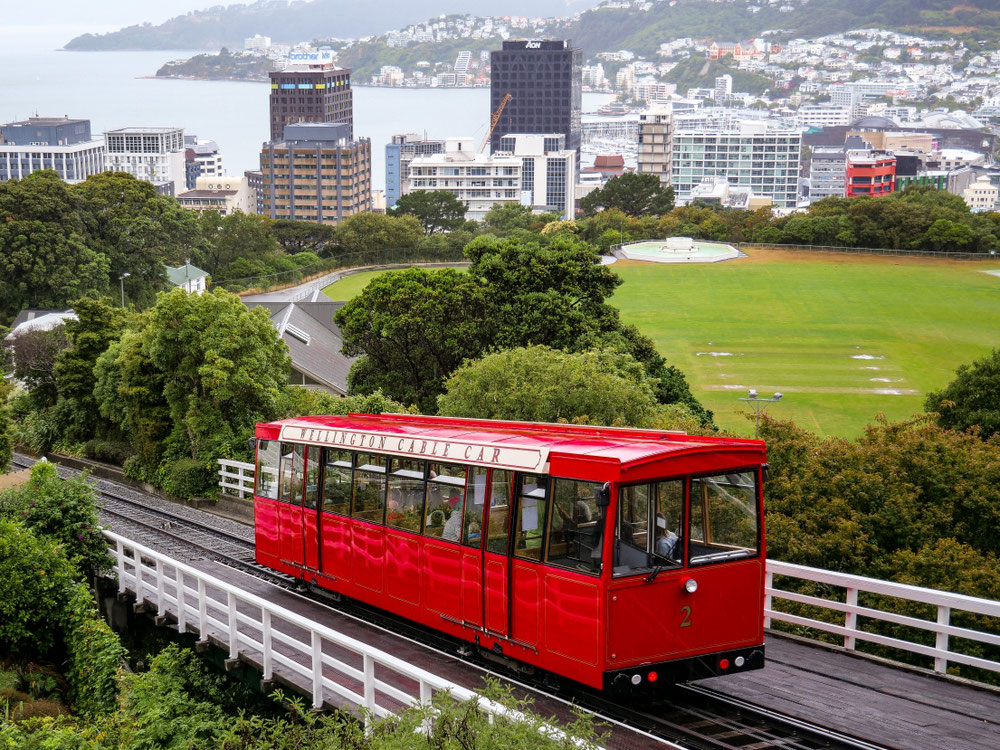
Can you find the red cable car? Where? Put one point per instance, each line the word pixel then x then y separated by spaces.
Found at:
pixel 614 557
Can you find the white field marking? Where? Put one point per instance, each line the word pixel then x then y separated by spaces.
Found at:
pixel 993 273
pixel 871 367
pixel 715 354
pixel 867 356
pixel 732 387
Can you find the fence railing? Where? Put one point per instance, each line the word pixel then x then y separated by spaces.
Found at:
pixel 990 256
pixel 236 477
pixel 945 602
pixel 284 640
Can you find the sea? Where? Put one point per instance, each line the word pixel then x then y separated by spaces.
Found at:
pixel 113 90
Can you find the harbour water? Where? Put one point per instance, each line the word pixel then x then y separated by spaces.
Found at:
pixel 108 88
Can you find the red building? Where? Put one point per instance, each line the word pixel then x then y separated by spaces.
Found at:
pixel 870 173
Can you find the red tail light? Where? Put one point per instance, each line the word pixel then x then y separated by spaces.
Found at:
pixel 724 664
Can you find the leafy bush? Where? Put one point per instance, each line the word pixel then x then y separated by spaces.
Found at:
pixel 188 477
pixel 95 654
pixel 34 579
pixel 110 451
pixel 63 511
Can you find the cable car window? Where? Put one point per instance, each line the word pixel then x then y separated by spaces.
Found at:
pixel 369 487
pixel 576 530
pixel 268 454
pixel 337 481
pixel 648 528
pixel 472 532
pixel 293 460
pixel 405 505
pixel 501 499
pixel 530 520
pixel 311 498
pixel 445 496
pixel 723 517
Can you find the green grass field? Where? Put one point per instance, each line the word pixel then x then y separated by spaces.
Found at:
pixel 351 286
pixel 843 337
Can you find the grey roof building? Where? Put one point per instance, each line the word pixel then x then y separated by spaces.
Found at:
pixel 314 343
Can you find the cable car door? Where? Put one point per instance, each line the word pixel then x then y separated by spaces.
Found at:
pixel 310 509
pixel 496 562
pixel 290 507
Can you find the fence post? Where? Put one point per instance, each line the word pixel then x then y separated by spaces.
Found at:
pixel 181 606
pixel 137 559
pixel 234 646
pixel 120 552
pixel 369 664
pixel 317 664
pixel 851 619
pixel 768 585
pixel 161 592
pixel 941 642
pixel 265 641
pixel 202 611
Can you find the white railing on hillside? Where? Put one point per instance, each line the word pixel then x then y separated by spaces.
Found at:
pixel 282 639
pixel 944 601
pixel 236 477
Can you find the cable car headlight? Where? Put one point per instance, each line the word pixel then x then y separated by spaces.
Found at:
pixel 690 585
pixel 636 679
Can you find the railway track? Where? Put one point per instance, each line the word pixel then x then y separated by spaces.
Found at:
pixel 690 716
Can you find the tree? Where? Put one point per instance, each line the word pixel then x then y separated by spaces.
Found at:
pixel 437 210
pixel 47 259
pixel 224 366
pixel 634 193
pixel 972 399
pixel 411 329
pixel 551 295
pixel 137 230
pixel 35 356
pixel 505 217
pixel 539 384
pixel 232 237
pixel 370 233
pixel 302 236
pixel 98 324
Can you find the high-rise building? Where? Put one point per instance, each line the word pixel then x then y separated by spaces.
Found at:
pixel 655 144
pixel 311 89
pixel 398 156
pixel 760 155
pixel 56 143
pixel 723 86
pixel 480 181
pixel 317 172
pixel 152 154
pixel 544 79
pixel 827 173
pixel 548 171
pixel 255 184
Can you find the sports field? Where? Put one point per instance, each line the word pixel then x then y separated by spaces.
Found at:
pixel 843 337
pixel 351 286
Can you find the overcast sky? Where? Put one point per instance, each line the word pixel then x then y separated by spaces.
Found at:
pixel 115 13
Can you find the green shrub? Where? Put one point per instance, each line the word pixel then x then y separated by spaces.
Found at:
pixel 188 477
pixel 110 451
pixel 34 579
pixel 95 654
pixel 63 510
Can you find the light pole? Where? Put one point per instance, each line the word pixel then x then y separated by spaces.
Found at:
pixel 759 406
pixel 122 280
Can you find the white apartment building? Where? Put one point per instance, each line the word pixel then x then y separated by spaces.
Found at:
pixel 982 195
pixel 823 115
pixel 827 173
pixel 478 180
pixel 655 131
pixel 758 155
pixel 257 43
pixel 723 86
pixel 74 163
pixel 153 154
pixel 548 171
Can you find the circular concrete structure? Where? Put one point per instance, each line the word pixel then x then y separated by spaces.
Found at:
pixel 678 250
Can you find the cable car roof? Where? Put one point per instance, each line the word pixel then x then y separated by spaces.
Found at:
pixel 521 446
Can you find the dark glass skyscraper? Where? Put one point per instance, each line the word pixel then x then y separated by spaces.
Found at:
pixel 544 81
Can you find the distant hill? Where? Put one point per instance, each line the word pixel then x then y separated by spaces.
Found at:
pixel 303 20
pixel 697 72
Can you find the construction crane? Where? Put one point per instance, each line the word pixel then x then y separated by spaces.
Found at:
pixel 493 121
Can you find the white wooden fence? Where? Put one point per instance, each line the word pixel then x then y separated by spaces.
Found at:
pixel 282 639
pixel 236 477
pixel 945 602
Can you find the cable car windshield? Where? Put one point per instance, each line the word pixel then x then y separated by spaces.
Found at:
pixel 652 533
